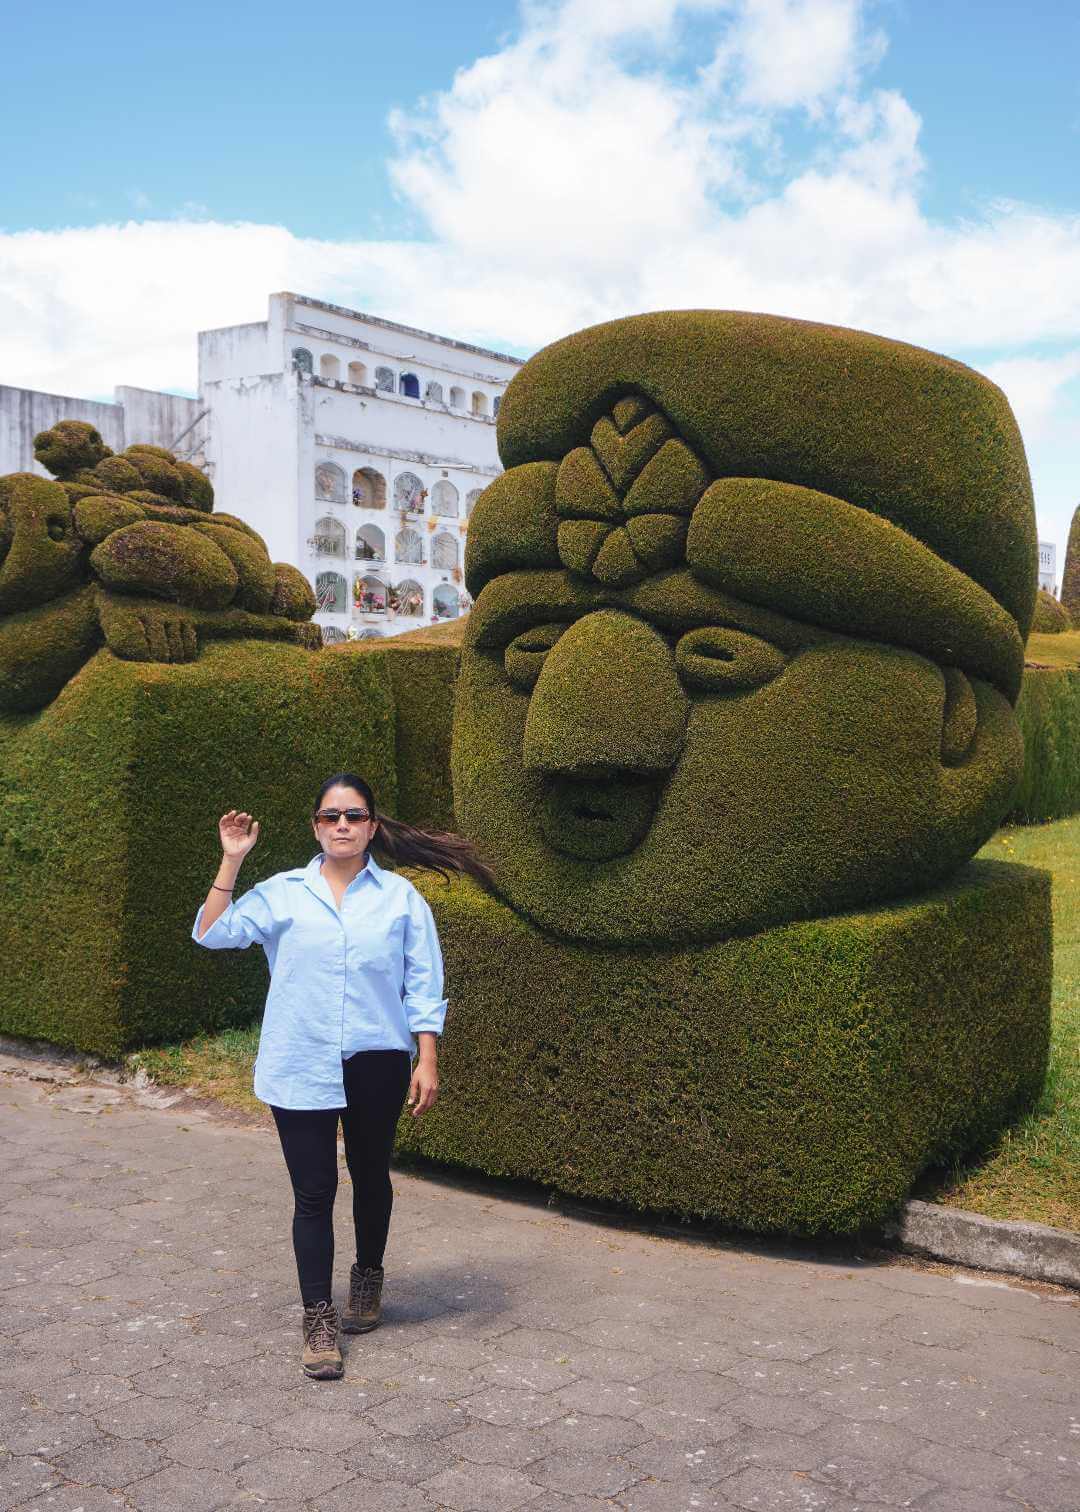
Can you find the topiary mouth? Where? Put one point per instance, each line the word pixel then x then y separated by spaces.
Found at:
pixel 597 819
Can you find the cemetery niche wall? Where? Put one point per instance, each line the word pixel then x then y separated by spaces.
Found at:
pixel 735 709
pixel 155 668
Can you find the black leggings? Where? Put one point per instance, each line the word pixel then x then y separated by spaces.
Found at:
pixel 376 1082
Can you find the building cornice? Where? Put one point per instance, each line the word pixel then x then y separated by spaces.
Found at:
pixel 426 459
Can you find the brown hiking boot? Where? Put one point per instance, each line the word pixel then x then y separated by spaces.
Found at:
pixel 321 1358
pixel 365 1299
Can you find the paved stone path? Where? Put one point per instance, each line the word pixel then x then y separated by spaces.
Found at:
pixel 150 1335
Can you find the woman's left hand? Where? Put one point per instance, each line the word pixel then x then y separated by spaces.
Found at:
pixel 424 1087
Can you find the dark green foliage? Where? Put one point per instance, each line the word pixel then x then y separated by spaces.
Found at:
pixel 41 648
pixel 294 597
pixel 798 1080
pixel 143 557
pixel 1051 617
pixel 109 801
pixel 909 435
pixel 1049 716
pixel 808 773
pixel 1070 578
pixel 128 520
pixel 69 447
pixel 254 569
pixel 421 666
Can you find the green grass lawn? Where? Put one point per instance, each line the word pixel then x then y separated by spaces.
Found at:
pixel 1032 1170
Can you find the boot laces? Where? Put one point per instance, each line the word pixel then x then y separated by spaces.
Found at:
pixel 366 1286
pixel 322 1326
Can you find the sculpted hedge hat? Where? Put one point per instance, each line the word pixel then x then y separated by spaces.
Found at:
pixel 856 483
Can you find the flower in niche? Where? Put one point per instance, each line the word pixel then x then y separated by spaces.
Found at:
pixel 625 500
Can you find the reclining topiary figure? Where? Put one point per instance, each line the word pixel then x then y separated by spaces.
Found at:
pixel 750 609
pixel 125 550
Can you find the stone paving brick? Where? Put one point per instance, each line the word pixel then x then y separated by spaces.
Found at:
pixel 70 1498
pixel 210 1445
pixel 968 1501
pixel 698 1390
pixel 419 1416
pixel 862 1480
pixel 681 1460
pixel 485 1445
pixel 680 1422
pixel 662 1496
pixel 40 1431
pixel 502 1405
pixel 760 1490
pixel 584 1474
pixel 179 1488
pixel 146 1417
pixel 293 1473
pixel 585 1433
pixel 1048 1493
pixel 780 1414
pixel 76 1392
pixel 526 1375
pixel 965 1468
pixel 315 1427
pixel 390 1458
pixel 110 1462
pixel 481 1488
pixel 611 1364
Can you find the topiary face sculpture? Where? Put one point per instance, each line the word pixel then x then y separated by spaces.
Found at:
pixel 750 607
pixel 124 550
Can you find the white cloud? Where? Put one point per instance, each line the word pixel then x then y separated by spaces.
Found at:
pixel 614 155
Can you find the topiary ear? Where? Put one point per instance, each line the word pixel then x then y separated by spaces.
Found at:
pixel 961 717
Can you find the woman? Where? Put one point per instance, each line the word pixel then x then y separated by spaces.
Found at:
pixel 356 988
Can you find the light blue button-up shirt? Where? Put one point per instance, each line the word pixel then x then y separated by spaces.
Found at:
pixel 369 977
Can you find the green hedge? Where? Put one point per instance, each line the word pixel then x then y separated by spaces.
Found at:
pixel 421 666
pixel 109 800
pixel 1049 714
pixel 1051 617
pixel 797 1080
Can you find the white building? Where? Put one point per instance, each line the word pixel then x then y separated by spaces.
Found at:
pixel 1048 567
pixel 135 415
pixel 357 448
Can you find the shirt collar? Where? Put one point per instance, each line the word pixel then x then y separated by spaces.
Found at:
pixel 313 872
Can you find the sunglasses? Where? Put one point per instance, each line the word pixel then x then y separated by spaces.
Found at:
pixel 351 816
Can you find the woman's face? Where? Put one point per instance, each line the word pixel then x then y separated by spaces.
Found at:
pixel 340 839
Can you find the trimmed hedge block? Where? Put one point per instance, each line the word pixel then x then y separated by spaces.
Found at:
pixel 109 801
pixel 797 1080
pixel 1049 715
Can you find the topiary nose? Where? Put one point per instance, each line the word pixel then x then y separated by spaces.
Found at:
pixel 608 700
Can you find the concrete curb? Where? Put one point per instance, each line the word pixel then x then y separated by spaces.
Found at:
pixel 1032 1250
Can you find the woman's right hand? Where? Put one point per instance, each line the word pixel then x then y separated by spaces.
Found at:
pixel 238 832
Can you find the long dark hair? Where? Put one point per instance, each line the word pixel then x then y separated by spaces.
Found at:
pixel 403 844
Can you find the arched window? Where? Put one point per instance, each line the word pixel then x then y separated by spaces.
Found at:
pixel 444 498
pixel 302 360
pixel 471 498
pixel 332 636
pixel 479 403
pixel 369 593
pixel 357 373
pixel 368 489
pixel 457 398
pixel 433 392
pixel 329 537
pixel 496 403
pixel 384 380
pixel 370 544
pixel 445 602
pixel 329 483
pixel 409 385
pixel 407 597
pixel 408 547
pixel 330 590
pixel 444 551
pixel 329 367
pixel 409 492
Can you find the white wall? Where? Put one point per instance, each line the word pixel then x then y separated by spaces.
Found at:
pixel 25 412
pixel 251 456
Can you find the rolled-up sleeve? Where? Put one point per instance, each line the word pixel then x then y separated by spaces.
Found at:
pixel 248 921
pixel 425 1006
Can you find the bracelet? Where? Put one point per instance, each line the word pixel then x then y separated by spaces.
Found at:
pixel 222 889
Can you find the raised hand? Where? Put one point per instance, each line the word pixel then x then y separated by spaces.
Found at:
pixel 239 832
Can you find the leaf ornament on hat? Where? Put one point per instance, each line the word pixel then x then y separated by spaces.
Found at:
pixel 625 500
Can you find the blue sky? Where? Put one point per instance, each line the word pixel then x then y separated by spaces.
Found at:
pixel 505 175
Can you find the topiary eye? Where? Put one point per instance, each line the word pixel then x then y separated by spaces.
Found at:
pixel 715 659
pixel 524 656
pixel 56 530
